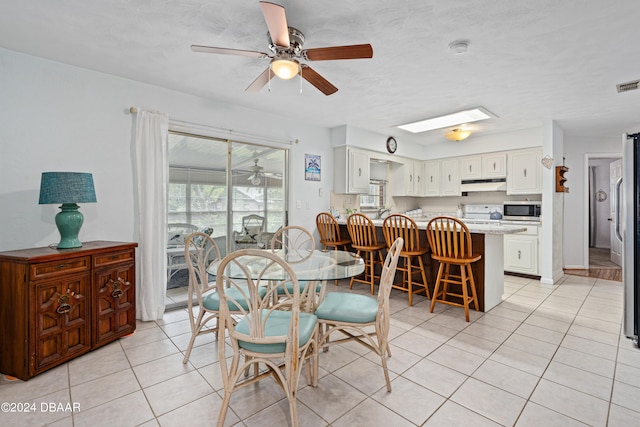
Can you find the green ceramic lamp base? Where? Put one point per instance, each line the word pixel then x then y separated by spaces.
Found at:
pixel 69 221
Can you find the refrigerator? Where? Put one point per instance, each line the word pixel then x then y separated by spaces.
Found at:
pixel 628 231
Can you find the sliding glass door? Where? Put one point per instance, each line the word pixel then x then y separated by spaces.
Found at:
pixel 234 191
pixel 258 193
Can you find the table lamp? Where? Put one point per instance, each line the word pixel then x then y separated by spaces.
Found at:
pixel 68 188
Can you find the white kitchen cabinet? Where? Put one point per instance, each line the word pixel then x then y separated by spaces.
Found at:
pixel 471 167
pixel 524 175
pixel 487 166
pixel 351 171
pixel 494 165
pixel 449 177
pixel 407 178
pixel 431 178
pixel 441 178
pixel 521 252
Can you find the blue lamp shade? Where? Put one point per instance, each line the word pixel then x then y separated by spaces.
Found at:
pixel 68 189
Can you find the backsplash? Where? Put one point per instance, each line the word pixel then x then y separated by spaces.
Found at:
pixel 441 205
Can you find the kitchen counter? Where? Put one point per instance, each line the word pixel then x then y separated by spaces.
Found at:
pixel 487 240
pixel 474 226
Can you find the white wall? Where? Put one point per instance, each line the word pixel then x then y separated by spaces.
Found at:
pixel 577 152
pixel 551 238
pixel 57 117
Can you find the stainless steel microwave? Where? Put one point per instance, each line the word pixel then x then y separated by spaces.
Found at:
pixel 521 211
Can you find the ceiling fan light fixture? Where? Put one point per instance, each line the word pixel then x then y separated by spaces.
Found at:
pixel 285 68
pixel 457 134
pixel 255 180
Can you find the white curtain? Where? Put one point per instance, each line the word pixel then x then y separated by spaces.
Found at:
pixel 152 169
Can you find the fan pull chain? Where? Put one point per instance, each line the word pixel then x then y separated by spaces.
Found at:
pixel 269 85
pixel 300 79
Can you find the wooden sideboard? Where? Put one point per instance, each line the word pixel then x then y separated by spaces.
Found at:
pixel 58 304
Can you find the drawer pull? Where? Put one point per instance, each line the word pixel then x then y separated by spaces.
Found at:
pixel 63 308
pixel 115 286
pixel 61 266
pixel 114 257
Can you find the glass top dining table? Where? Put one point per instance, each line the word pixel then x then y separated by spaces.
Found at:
pixel 320 265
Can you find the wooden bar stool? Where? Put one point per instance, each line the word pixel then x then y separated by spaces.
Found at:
pixel 365 242
pixel 329 231
pixel 398 225
pixel 450 242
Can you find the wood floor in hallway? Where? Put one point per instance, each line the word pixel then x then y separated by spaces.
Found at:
pixel 600 266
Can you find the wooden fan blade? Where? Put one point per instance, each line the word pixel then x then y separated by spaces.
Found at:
pixel 356 51
pixel 225 51
pixel 259 83
pixel 317 80
pixel 276 19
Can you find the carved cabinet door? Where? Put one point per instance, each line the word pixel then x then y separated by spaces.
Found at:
pixel 62 320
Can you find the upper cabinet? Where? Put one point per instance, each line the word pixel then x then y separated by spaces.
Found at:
pixel 494 165
pixel 483 167
pixel 449 177
pixel 432 178
pixel 441 178
pixel 351 171
pixel 524 175
pixel 408 178
pixel 471 167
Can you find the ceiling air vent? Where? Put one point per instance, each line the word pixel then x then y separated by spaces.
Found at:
pixel 624 87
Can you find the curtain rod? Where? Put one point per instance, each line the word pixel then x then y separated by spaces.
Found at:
pixel 134 110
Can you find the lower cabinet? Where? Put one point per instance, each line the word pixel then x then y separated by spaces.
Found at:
pixel 58 305
pixel 62 320
pixel 521 252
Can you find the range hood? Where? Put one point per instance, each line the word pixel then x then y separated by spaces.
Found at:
pixel 471 185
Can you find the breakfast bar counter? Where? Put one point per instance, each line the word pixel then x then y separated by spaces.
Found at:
pixel 488 272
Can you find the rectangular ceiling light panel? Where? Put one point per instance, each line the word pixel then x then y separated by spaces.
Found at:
pixel 466 116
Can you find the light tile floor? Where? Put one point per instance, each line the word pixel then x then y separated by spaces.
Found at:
pixel 547 355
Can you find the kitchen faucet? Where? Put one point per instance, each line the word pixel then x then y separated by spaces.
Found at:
pixel 382 211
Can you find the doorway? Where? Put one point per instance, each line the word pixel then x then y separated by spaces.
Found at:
pixel 602 245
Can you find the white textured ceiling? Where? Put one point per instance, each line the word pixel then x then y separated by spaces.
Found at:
pixel 528 61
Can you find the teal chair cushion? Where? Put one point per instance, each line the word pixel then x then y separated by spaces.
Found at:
pixel 302 285
pixel 278 325
pixel 344 307
pixel 212 300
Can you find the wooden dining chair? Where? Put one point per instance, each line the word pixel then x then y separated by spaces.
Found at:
pixel 365 241
pixel 362 318
pixel 398 225
pixel 200 251
pixel 450 242
pixel 329 231
pixel 278 336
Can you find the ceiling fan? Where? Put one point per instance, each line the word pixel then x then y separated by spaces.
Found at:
pixel 285 44
pixel 257 173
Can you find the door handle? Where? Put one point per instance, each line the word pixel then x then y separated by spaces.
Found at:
pixel 618 194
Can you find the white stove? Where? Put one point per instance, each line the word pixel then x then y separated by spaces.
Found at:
pixel 482 212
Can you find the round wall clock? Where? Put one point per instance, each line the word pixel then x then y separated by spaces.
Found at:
pixel 392 145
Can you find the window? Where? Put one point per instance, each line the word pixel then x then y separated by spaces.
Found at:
pixel 376 197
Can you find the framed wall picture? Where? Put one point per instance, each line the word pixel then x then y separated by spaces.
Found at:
pixel 311 167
